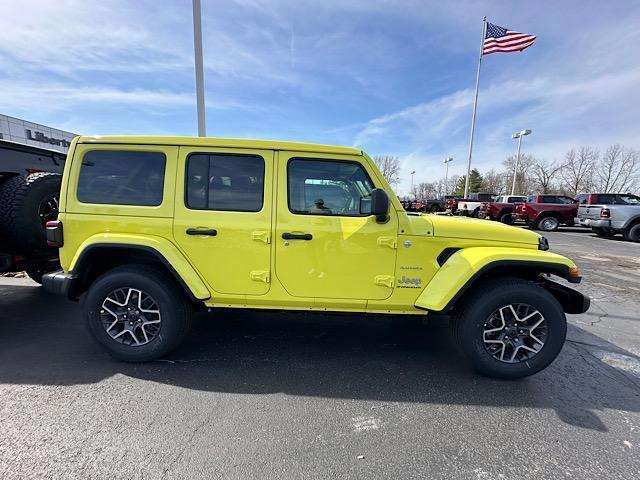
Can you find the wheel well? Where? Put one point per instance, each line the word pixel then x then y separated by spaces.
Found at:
pixel 633 222
pixel 98 260
pixel 530 271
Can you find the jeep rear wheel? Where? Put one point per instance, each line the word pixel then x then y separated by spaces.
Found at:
pixel 137 313
pixel 512 329
pixel 548 224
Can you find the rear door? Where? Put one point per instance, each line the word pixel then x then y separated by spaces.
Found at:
pixel 223 216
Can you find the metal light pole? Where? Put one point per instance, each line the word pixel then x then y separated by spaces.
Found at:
pixel 519 136
pixel 412 193
pixel 197 47
pixel 446 174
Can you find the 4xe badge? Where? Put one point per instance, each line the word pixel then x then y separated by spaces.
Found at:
pixel 409 282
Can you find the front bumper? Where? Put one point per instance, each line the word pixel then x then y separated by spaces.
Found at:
pixel 58 283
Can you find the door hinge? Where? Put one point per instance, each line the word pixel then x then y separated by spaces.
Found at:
pixel 384 280
pixel 388 242
pixel 260 276
pixel 262 235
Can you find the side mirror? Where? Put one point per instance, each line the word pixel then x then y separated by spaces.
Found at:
pixel 379 204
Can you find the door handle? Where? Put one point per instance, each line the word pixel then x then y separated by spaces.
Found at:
pixel 297 236
pixel 198 231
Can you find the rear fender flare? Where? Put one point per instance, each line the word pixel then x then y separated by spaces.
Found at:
pixel 165 251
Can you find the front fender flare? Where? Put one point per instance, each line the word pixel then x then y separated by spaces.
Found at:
pixel 465 266
pixel 166 252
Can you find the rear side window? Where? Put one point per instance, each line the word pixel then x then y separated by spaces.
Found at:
pixel 225 182
pixel 121 177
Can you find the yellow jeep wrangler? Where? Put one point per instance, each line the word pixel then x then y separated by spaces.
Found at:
pixel 152 228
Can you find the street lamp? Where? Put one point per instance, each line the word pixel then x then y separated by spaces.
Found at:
pixel 446 174
pixel 412 174
pixel 519 136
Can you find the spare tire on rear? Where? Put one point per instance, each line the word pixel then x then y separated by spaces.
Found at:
pixel 26 204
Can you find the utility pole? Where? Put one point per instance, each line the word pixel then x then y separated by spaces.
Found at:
pixel 197 47
pixel 519 136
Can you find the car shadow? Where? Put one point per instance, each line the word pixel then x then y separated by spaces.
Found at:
pixel 44 342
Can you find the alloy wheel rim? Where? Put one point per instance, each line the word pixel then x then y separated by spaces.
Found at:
pixel 130 316
pixel 48 209
pixel 514 333
pixel 549 223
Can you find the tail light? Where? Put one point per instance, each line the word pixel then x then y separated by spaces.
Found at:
pixel 55 238
pixel 464 207
pixel 605 213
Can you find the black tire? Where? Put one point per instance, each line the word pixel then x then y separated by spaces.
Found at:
pixel 469 323
pixel 26 203
pixel 603 232
pixel 506 218
pixel 175 311
pixel 434 208
pixel 548 223
pixel 632 234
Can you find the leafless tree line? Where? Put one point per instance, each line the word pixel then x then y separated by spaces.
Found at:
pixel 581 170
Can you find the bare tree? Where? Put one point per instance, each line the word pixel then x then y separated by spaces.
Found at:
pixel 426 190
pixel 523 181
pixel 617 170
pixel 495 182
pixel 577 172
pixel 543 174
pixel 390 167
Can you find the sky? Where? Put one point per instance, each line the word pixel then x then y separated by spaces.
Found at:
pixel 390 77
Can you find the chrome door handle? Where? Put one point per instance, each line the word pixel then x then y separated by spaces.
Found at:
pixel 197 231
pixel 297 236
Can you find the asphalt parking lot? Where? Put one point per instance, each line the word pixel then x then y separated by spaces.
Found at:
pixel 255 395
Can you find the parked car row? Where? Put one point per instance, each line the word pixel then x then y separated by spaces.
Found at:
pixel 426 205
pixel 607 214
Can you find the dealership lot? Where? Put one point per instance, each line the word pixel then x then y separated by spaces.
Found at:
pixel 266 395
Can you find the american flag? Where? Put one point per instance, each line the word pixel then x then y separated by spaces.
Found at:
pixel 499 39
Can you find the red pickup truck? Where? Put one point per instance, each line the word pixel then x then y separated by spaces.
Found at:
pixel 547 212
pixel 502 209
pixel 469 207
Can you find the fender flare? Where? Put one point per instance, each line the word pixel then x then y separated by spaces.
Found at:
pixel 165 251
pixel 463 268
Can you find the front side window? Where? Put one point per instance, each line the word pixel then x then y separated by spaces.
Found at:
pixel 627 200
pixel 328 187
pixel 225 182
pixel 120 177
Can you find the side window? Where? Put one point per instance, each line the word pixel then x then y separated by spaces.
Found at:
pixel 531 199
pixel 225 182
pixel 120 177
pixel 565 200
pixel 328 187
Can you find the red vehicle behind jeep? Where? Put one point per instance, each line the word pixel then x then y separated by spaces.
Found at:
pixel 548 212
pixel 502 209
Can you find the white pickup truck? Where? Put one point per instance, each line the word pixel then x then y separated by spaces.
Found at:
pixel 608 214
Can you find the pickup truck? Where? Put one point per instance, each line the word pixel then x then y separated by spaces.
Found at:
pixel 470 206
pixel 431 205
pixel 29 194
pixel 152 229
pixel 502 209
pixel 608 214
pixel 547 212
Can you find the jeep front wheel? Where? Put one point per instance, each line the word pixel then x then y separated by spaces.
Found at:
pixel 137 313
pixel 512 329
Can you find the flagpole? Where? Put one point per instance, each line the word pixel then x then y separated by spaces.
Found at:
pixel 475 106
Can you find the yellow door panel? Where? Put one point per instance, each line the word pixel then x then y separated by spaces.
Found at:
pixel 223 216
pixel 331 250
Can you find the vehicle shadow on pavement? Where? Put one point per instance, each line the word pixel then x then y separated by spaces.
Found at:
pixel 44 342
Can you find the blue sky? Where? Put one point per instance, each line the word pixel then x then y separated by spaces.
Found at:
pixel 391 77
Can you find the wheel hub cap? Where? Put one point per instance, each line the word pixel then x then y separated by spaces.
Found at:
pixel 130 316
pixel 514 333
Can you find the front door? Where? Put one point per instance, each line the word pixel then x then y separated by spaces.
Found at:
pixel 327 245
pixel 223 216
